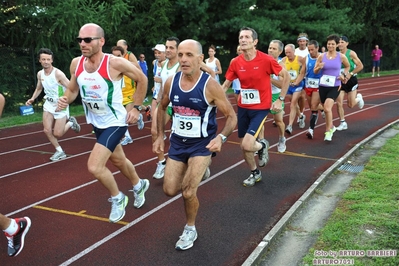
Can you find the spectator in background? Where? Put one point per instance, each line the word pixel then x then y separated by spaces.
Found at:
pixel 376 54
pixel 2 103
pixel 323 49
pixel 143 64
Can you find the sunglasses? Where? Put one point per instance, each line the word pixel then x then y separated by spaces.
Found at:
pixel 87 39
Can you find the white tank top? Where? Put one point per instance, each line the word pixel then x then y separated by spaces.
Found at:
pixel 167 72
pixel 52 90
pixel 101 96
pixel 212 65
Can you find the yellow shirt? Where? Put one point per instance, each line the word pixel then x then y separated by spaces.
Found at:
pixel 292 68
pixel 129 87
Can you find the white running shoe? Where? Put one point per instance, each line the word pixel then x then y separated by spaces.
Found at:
pixel 160 171
pixel 302 121
pixel 139 196
pixel 140 122
pixel 281 147
pixel 252 179
pixel 126 140
pixel 309 134
pixel 75 126
pixel 360 102
pixel 342 126
pixel 58 155
pixel 288 129
pixel 186 240
pixel 207 174
pixel 118 208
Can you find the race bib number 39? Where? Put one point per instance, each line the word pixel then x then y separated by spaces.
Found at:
pixel 250 96
pixel 95 105
pixel 327 80
pixel 187 126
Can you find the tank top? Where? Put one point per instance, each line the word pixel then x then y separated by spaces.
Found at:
pixel 331 71
pixel 52 90
pixel 311 79
pixel 292 68
pixel 193 116
pixel 352 64
pixel 212 65
pixel 157 73
pixel 275 89
pixel 167 72
pixel 101 96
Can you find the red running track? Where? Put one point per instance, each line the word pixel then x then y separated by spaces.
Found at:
pixel 69 209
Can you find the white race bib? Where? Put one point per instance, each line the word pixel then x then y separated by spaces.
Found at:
pixel 293 74
pixel 312 83
pixel 187 126
pixel 327 80
pixel 249 96
pixel 52 100
pixel 95 105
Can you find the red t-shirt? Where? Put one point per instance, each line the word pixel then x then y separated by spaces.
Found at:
pixel 255 81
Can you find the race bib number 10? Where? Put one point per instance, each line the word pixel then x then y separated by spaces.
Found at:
pixel 95 105
pixel 187 126
pixel 250 96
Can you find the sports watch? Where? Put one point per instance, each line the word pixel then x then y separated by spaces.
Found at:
pixel 224 138
pixel 281 98
pixel 138 107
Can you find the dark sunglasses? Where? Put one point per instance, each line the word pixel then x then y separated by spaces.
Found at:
pixel 87 39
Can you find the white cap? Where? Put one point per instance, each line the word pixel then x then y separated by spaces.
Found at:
pixel 160 47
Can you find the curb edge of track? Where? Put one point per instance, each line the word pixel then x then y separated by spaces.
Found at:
pixel 256 255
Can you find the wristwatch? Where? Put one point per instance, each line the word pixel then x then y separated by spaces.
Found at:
pixel 138 107
pixel 352 74
pixel 224 138
pixel 281 98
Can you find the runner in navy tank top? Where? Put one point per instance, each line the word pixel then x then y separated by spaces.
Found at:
pixel 194 97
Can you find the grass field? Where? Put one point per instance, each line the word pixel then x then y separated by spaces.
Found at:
pixel 367 217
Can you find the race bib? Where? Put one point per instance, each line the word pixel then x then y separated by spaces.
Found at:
pixel 312 83
pixel 187 126
pixel 250 96
pixel 95 105
pixel 293 74
pixel 327 80
pixel 52 100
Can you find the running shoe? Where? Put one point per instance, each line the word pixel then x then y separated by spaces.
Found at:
pixel 118 208
pixel 58 155
pixel 274 123
pixel 126 140
pixel 160 171
pixel 186 240
pixel 252 179
pixel 329 134
pixel 288 129
pixel 148 112
pixel 342 126
pixel 263 153
pixel 302 121
pixel 281 147
pixel 139 196
pixel 360 102
pixel 140 122
pixel 207 174
pixel 323 114
pixel 309 134
pixel 16 242
pixel 75 126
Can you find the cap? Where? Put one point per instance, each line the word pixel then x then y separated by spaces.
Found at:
pixel 159 47
pixel 344 38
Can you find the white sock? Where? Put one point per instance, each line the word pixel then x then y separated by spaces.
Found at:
pixel 118 197
pixel 13 228
pixel 137 187
pixel 190 227
pixel 59 148
pixel 70 124
pixel 127 134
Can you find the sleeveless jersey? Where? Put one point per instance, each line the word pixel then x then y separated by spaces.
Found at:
pixel 292 68
pixel 331 71
pixel 275 89
pixel 212 65
pixel 52 90
pixel 157 73
pixel 352 64
pixel 129 86
pixel 193 116
pixel 300 52
pixel 167 72
pixel 101 96
pixel 311 79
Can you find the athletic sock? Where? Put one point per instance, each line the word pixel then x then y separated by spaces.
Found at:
pixel 12 228
pixel 137 187
pixel 59 149
pixel 119 196
pixel 190 227
pixel 163 161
